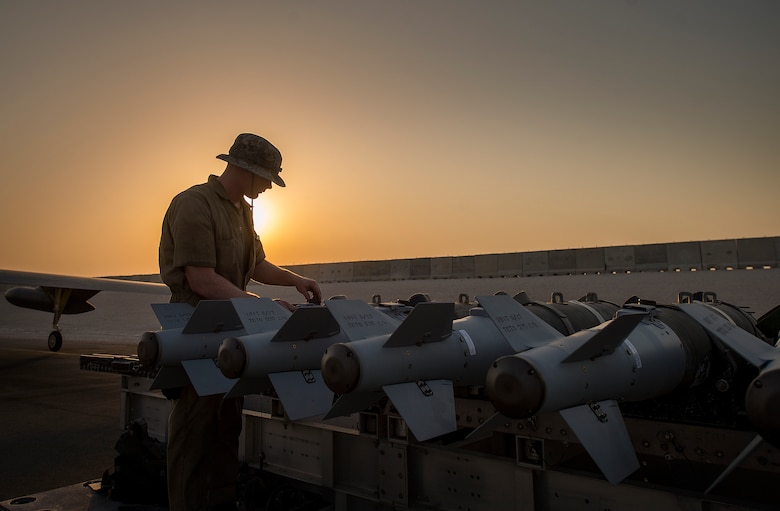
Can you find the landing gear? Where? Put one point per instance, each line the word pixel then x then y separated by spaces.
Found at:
pixel 55 340
pixel 60 300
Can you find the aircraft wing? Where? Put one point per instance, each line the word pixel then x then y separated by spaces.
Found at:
pixel 26 278
pixel 66 294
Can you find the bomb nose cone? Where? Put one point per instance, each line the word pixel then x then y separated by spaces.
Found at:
pixel 762 404
pixel 514 387
pixel 231 358
pixel 340 368
pixel 148 349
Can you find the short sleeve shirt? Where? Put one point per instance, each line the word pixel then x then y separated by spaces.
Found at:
pixel 203 228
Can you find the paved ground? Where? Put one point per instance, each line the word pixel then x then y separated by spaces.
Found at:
pixel 58 424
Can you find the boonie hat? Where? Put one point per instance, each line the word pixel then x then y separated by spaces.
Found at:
pixel 257 155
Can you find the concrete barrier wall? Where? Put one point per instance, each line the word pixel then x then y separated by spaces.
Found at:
pixel 485 265
pixel 562 262
pixel 651 258
pixel 619 259
pixel 510 265
pixel 535 263
pixel 742 253
pixel 757 252
pixel 420 268
pixel 719 255
pixel 684 256
pixel 590 260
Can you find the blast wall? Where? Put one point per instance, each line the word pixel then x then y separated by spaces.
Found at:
pixel 730 254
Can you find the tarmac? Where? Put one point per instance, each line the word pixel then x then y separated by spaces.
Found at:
pixel 59 424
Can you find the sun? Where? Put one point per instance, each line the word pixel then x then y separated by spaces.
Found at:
pixel 262 214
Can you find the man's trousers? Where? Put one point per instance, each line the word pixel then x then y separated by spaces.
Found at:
pixel 203 451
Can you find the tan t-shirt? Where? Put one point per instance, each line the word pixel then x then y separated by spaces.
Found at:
pixel 202 227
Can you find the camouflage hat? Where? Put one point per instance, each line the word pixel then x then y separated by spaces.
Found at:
pixel 257 155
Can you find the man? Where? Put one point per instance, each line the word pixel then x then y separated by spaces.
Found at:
pixel 209 250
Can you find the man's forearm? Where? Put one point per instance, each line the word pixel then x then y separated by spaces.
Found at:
pixel 268 273
pixel 210 285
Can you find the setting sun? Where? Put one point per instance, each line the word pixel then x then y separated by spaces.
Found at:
pixel 262 213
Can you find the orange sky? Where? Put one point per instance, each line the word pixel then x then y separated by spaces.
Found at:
pixel 408 129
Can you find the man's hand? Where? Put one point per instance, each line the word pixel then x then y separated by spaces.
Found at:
pixel 267 272
pixel 310 289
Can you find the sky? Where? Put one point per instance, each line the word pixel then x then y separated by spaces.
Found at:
pixel 408 128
